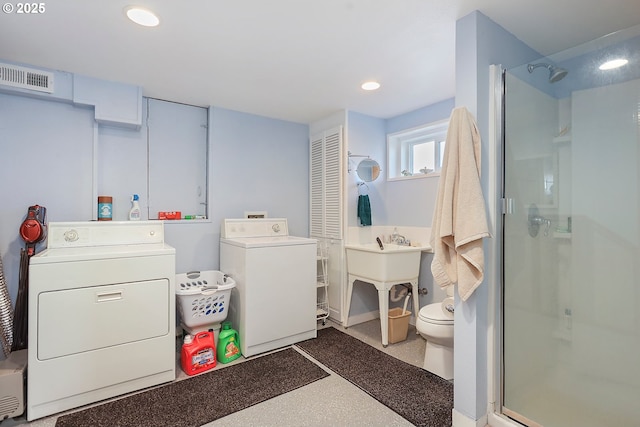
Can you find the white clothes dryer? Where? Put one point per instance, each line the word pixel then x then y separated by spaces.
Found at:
pixel 101 314
pixel 274 302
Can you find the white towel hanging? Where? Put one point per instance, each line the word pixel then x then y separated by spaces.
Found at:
pixel 459 218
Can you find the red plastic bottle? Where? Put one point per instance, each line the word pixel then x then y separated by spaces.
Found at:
pixel 198 353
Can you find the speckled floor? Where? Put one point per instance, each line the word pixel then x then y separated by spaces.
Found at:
pixel 332 401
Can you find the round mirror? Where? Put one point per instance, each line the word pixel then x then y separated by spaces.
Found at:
pixel 368 170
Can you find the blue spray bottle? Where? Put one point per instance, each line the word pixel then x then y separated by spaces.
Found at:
pixel 134 213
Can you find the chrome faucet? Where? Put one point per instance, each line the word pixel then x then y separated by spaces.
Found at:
pixel 535 220
pixel 401 240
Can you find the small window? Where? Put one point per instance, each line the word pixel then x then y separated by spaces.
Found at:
pixel 416 152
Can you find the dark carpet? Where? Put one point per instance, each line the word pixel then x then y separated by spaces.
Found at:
pixel 206 397
pixel 419 396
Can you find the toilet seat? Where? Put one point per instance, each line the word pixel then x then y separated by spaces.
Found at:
pixel 433 313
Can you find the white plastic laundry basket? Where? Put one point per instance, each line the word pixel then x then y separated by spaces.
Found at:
pixel 203 297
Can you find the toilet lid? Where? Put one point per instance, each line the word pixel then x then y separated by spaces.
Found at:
pixel 433 313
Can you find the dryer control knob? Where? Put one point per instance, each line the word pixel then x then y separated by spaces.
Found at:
pixel 276 228
pixel 71 235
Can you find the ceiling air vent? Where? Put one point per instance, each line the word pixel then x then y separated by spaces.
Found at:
pixel 26 78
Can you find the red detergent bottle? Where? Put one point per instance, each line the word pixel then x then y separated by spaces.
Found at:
pixel 198 353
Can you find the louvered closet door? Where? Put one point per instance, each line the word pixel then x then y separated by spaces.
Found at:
pixel 317 186
pixel 326 184
pixel 333 184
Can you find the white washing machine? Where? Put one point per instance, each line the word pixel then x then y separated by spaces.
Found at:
pixel 101 314
pixel 274 302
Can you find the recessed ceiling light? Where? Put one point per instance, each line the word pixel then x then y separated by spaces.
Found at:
pixel 370 85
pixel 614 63
pixel 142 16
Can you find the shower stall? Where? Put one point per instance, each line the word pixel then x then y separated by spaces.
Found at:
pixel 571 237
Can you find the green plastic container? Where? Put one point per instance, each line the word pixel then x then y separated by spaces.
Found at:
pixel 228 344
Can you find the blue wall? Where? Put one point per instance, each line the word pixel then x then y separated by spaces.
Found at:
pixel 46 157
pixel 405 202
pixel 366 136
pixel 41 162
pixel 259 164
pixel 414 199
pixel 422 116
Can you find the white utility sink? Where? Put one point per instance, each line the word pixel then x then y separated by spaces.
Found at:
pixel 383 268
pixel 392 264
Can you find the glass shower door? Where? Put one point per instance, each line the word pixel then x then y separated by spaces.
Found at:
pixel 571 284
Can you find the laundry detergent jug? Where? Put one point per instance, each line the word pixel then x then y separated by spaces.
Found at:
pixel 228 344
pixel 198 353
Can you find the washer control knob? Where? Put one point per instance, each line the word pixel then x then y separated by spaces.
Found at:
pixel 275 228
pixel 71 235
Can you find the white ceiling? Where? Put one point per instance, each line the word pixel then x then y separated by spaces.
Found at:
pixel 296 60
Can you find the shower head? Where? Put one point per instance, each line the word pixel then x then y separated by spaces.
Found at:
pixel 555 73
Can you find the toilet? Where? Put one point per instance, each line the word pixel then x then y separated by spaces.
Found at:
pixel 435 324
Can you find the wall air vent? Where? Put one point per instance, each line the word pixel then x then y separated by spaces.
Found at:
pixel 26 78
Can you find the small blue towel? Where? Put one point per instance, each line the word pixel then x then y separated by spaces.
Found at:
pixel 364 210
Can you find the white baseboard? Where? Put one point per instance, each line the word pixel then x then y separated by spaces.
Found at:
pixel 461 420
